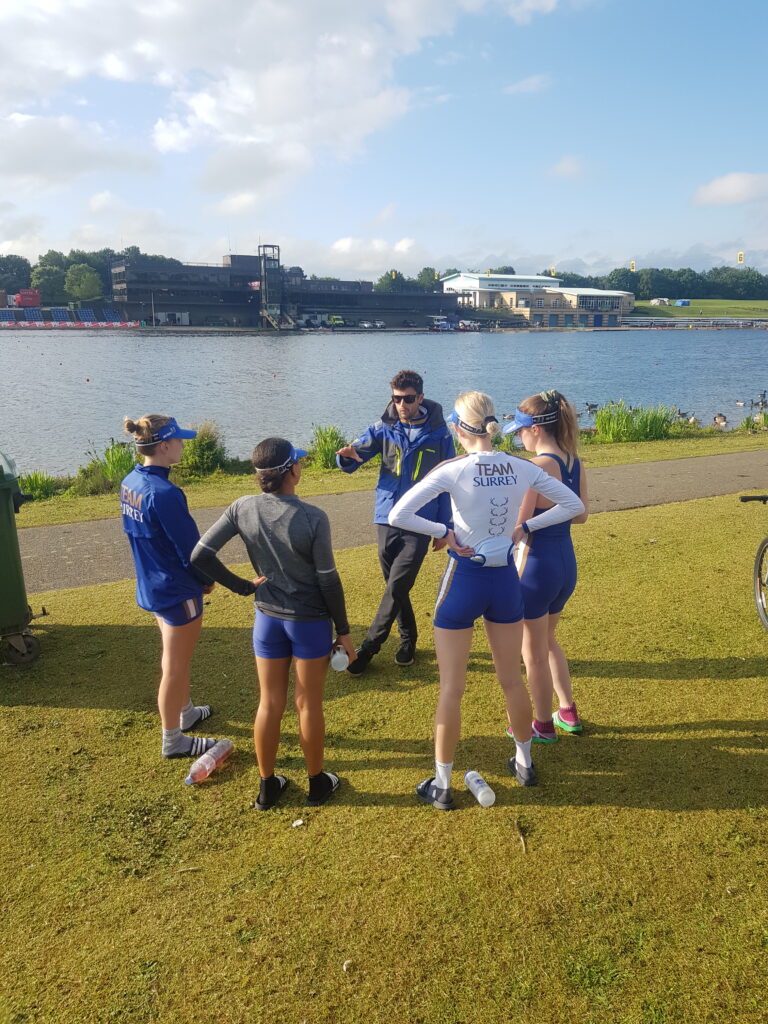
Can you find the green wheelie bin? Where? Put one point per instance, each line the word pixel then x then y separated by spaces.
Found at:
pixel 17 644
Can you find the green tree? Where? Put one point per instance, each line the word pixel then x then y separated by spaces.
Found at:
pixel 50 281
pixel 83 283
pixel 622 279
pixel 392 281
pixel 450 270
pixel 503 270
pixel 15 273
pixel 53 258
pixel 427 279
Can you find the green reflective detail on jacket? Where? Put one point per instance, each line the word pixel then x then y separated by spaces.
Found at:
pixel 398 460
pixel 418 466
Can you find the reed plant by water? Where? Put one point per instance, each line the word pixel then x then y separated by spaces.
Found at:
pixel 204 454
pixel 326 441
pixel 103 472
pixel 38 485
pixel 620 422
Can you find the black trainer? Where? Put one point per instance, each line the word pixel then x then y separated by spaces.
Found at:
pixel 406 653
pixel 361 662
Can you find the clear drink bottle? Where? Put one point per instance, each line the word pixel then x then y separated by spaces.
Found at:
pixel 339 659
pixel 209 761
pixel 479 789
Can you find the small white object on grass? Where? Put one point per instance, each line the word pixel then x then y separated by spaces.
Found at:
pixel 296 823
pixel 347 964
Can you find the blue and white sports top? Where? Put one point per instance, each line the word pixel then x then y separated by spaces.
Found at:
pixel 486 490
pixel 571 477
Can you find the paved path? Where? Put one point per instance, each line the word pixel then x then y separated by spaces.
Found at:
pixel 79 554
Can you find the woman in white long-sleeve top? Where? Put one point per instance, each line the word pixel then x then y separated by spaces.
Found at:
pixel 486 488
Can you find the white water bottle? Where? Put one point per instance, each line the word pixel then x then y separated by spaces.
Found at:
pixel 339 659
pixel 479 789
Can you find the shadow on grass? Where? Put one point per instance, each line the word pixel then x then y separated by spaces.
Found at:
pixel 709 764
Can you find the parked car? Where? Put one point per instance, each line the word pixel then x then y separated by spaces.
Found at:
pixel 365 324
pixel 409 323
pixel 379 325
pixel 350 323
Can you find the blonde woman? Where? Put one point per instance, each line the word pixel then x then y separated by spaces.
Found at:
pixel 547 425
pixel 486 488
pixel 162 534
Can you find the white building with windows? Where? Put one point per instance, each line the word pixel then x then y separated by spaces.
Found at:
pixel 540 300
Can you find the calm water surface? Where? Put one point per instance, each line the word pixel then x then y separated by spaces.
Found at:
pixel 64 393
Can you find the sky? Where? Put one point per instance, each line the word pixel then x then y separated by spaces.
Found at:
pixel 361 135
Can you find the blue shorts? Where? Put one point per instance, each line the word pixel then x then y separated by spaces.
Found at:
pixel 286 638
pixel 469 591
pixel 547 569
pixel 183 613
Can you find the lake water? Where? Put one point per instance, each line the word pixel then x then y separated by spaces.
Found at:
pixel 63 393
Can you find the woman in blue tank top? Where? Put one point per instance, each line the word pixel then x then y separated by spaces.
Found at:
pixel 547 425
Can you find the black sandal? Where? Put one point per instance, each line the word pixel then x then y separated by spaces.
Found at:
pixel 271 791
pixel 329 783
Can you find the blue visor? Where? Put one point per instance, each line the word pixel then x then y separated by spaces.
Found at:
pixel 166 433
pixel 458 422
pixel 296 454
pixel 524 419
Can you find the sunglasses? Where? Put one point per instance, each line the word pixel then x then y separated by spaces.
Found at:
pixel 408 399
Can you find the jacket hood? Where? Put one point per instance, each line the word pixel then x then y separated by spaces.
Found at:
pixel 434 421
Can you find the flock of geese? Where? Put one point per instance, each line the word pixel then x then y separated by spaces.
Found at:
pixel 719 420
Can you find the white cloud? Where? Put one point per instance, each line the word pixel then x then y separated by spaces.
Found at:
pixel 101 201
pixel 571 167
pixel 533 83
pixel 50 152
pixel 737 187
pixel 524 10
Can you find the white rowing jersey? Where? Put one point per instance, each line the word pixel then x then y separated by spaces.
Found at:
pixel 486 490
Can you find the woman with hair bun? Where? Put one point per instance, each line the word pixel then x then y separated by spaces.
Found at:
pixel 298 597
pixel 547 425
pixel 162 534
pixel 486 488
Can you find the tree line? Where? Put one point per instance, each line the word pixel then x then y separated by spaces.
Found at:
pixel 648 283
pixel 79 276
pixel 84 276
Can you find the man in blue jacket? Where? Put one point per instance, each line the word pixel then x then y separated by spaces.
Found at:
pixel 412 438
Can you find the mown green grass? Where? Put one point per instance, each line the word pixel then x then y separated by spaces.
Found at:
pixel 708 307
pixel 222 489
pixel 639 898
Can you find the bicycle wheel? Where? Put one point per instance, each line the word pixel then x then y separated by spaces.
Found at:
pixel 761 581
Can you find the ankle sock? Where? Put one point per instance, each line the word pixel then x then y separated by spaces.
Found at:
pixel 176 744
pixel 523 753
pixel 320 785
pixel 547 728
pixel 443 774
pixel 192 714
pixel 569 714
pixel 269 790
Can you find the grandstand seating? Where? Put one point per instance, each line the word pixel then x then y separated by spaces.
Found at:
pixel 59 313
pixel 84 315
pixel 7 315
pixel 33 313
pixel 111 316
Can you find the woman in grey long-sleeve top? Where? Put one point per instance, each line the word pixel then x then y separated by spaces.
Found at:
pixel 298 596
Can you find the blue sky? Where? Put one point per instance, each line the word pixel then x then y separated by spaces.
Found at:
pixel 366 134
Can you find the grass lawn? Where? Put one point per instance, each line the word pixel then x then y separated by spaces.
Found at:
pixel 637 897
pixel 221 490
pixel 708 307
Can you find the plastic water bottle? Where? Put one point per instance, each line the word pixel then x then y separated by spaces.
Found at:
pixel 479 789
pixel 209 761
pixel 339 659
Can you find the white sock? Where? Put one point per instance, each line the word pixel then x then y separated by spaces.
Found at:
pixel 443 775
pixel 192 714
pixel 523 753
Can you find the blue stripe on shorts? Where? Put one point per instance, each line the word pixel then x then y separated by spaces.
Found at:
pixel 286 638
